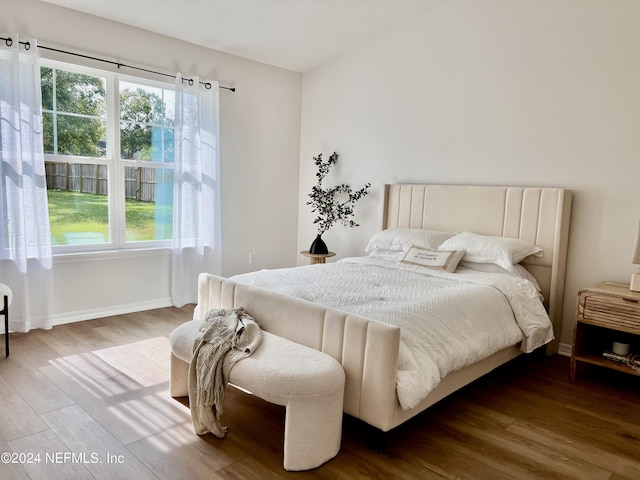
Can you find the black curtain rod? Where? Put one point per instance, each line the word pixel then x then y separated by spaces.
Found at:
pixel 27 46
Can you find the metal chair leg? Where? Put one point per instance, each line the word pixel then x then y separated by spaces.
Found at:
pixel 6 325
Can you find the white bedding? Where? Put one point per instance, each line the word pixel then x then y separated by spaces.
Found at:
pixel 447 320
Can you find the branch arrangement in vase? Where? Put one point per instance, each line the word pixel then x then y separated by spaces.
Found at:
pixel 332 205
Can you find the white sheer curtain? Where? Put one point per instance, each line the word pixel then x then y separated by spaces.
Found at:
pixel 196 192
pixel 25 241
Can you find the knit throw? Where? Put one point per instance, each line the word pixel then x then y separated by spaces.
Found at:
pixel 226 336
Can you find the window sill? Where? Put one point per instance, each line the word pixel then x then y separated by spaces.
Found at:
pixel 107 255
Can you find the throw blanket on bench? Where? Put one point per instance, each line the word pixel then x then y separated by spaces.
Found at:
pixel 227 335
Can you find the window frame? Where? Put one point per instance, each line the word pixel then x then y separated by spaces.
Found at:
pixel 113 160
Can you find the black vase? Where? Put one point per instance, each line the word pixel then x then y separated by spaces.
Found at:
pixel 318 246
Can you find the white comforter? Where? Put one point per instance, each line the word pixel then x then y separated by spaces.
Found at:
pixel 447 320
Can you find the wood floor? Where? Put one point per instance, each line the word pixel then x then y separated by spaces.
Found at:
pixel 90 400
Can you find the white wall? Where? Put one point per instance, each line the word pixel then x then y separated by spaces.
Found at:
pixel 260 135
pixel 492 92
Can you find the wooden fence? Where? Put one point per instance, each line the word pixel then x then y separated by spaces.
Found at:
pixel 140 182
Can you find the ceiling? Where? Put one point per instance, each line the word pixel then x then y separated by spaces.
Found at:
pixel 293 34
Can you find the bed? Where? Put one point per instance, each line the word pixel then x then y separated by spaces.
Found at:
pixel 372 351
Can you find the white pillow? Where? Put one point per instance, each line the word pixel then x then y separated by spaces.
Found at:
pixel 403 238
pixel 502 251
pixel 391 255
pixel 435 259
pixel 518 271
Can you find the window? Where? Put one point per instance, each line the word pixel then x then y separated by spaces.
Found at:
pixel 108 142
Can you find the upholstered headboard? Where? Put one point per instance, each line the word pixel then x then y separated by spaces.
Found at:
pixel 538 215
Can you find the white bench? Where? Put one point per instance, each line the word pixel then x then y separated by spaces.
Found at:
pixel 309 383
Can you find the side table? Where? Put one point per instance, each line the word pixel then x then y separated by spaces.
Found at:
pixel 608 312
pixel 316 258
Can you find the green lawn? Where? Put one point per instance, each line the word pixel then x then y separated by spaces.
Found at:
pixel 82 218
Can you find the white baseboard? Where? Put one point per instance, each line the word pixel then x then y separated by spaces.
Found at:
pixel 564 349
pixel 92 314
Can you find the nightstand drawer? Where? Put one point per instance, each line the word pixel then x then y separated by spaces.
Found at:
pixel 610 311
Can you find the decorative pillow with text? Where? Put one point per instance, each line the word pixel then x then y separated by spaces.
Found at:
pixel 435 259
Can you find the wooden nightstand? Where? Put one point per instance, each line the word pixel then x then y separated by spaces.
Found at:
pixel 316 258
pixel 607 312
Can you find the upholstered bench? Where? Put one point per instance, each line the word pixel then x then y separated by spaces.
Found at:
pixel 309 383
